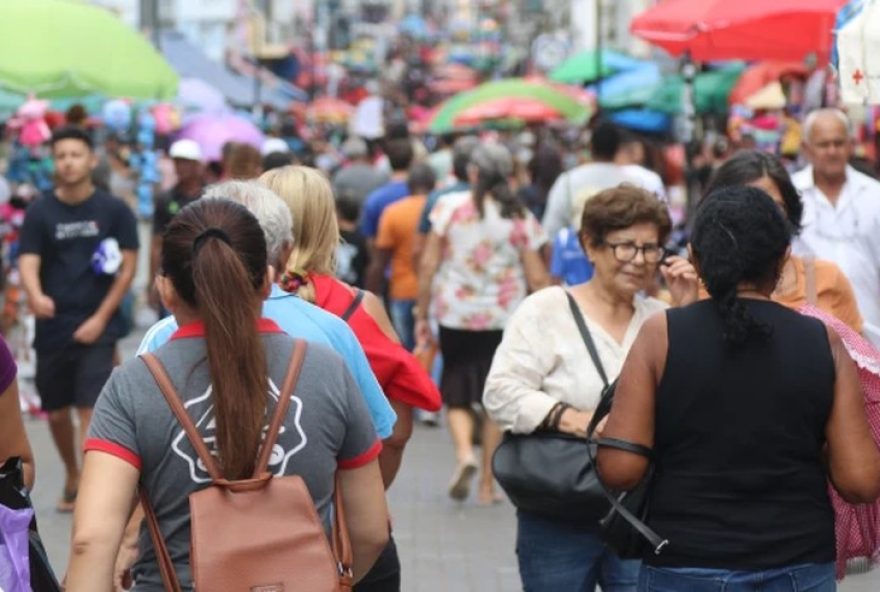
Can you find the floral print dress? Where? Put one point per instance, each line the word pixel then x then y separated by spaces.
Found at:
pixel 481 279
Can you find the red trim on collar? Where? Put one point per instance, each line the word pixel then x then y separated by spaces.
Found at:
pixel 197 329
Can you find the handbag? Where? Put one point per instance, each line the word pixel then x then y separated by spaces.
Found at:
pixel 623 528
pixel 14 496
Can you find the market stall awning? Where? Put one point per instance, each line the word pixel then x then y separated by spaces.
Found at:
pixel 239 89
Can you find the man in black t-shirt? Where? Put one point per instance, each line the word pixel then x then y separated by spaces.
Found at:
pixel 187 157
pixel 78 256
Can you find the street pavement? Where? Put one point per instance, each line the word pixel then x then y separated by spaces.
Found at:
pixel 444 546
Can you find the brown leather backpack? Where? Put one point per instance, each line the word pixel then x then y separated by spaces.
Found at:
pixel 254 535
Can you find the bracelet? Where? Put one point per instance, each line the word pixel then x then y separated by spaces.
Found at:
pixel 563 407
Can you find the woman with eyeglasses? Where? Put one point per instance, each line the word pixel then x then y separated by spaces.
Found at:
pixel 542 377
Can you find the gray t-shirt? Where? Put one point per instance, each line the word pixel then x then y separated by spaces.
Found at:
pixel 357 181
pixel 328 425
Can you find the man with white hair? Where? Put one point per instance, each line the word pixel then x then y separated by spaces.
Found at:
pixel 841 221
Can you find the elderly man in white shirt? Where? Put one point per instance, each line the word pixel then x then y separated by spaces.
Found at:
pixel 841 221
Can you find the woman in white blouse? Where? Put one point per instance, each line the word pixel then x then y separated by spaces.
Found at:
pixel 541 370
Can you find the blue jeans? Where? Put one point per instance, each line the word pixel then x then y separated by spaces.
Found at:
pixel 403 321
pixel 559 557
pixel 812 577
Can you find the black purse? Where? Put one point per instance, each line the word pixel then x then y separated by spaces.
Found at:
pixel 552 474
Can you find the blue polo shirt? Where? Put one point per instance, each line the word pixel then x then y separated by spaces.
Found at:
pixel 303 320
pixel 376 203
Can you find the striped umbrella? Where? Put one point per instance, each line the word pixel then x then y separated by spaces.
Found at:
pixel 532 93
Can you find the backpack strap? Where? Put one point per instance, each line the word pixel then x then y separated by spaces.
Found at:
pixel 358 298
pixel 163 557
pixel 173 399
pixel 341 542
pixel 287 389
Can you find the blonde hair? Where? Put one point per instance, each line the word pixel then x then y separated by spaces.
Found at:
pixel 309 197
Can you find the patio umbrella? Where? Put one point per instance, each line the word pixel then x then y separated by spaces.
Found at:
pixel 212 131
pixel 512 108
pixel 196 95
pixel 634 87
pixel 758 76
pixel 58 48
pixel 568 107
pixel 711 91
pixel 712 30
pixel 582 67
pixel 858 44
pixel 770 97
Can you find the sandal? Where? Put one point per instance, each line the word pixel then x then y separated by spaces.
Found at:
pixel 67 502
pixel 460 485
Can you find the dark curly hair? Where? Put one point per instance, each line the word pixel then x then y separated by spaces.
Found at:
pixel 747 167
pixel 739 236
pixel 619 208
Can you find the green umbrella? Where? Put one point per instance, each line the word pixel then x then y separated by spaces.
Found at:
pixel 581 67
pixel 58 48
pixel 711 90
pixel 566 103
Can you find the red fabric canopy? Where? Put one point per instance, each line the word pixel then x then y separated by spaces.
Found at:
pixel 741 29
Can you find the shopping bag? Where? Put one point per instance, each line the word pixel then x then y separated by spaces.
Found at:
pixel 14 497
pixel 15 572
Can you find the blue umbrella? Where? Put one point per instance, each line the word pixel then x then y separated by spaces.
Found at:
pixel 633 87
pixel 643 120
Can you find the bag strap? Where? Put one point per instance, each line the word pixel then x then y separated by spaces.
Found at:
pixel 341 543
pixel 810 273
pixel 163 557
pixel 586 336
pixel 358 297
pixel 174 402
pixel 287 389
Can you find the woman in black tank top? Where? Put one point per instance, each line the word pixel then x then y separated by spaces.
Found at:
pixel 750 408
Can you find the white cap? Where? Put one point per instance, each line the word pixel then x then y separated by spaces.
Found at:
pixel 186 150
pixel 272 145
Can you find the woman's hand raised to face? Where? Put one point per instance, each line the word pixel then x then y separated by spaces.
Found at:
pixel 681 279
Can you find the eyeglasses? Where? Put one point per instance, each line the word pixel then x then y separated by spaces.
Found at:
pixel 626 252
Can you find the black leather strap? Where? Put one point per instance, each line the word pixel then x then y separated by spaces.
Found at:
pixel 626 446
pixel 652 537
pixel 353 306
pixel 587 337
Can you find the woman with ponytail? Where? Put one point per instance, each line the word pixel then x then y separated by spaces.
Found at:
pixel 483 251
pixel 750 408
pixel 226 363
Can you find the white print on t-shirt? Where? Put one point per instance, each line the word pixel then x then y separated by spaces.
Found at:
pixel 206 425
pixel 71 230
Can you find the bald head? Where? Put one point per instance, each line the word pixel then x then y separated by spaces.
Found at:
pixel 827 144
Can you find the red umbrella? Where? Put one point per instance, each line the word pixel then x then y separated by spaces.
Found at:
pixel 759 75
pixel 741 29
pixel 527 110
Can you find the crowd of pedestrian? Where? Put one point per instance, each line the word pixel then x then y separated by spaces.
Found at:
pixel 333 307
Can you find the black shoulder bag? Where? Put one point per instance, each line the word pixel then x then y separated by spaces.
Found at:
pixel 552 475
pixel 623 528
